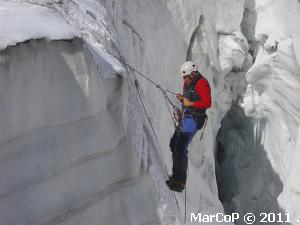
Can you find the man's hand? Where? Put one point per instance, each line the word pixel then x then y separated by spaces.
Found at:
pixel 187 103
pixel 179 97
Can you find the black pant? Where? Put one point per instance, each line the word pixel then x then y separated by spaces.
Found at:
pixel 179 144
pixel 180 160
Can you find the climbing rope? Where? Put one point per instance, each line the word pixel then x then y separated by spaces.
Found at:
pixel 174 119
pixel 206 117
pixel 167 99
pixel 185 205
pixel 152 127
pixel 164 92
pixel 121 59
pixel 176 111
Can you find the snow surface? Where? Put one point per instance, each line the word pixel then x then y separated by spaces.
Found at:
pixel 76 146
pixel 20 24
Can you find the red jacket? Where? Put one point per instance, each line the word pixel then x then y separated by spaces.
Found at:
pixel 203 91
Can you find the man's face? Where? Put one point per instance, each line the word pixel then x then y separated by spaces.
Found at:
pixel 187 79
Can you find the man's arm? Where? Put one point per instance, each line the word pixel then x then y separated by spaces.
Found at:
pixel 204 92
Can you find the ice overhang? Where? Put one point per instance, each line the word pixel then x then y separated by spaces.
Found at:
pixel 19 24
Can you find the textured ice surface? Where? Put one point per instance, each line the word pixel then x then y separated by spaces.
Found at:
pixel 75 144
pixel 19 24
pixel 258 153
pixel 64 149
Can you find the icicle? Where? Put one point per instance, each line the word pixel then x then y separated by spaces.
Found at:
pixel 256 131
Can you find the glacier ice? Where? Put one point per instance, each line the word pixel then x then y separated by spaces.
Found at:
pixel 19 24
pixel 76 146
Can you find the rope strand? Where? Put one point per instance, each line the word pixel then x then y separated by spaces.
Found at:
pixel 203 127
pixel 185 205
pixel 121 59
pixel 168 100
pixel 148 117
pixel 164 91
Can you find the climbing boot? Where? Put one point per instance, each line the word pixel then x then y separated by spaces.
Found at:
pixel 175 185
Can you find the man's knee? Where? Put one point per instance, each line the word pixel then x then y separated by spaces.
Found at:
pixel 182 143
pixel 173 141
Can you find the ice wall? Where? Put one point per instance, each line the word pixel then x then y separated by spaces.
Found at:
pixel 74 91
pixel 77 147
pixel 258 144
pixel 274 86
pixel 65 156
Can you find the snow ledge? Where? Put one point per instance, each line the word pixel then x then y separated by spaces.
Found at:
pixel 32 22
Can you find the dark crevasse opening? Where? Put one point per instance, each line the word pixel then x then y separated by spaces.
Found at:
pixel 246 180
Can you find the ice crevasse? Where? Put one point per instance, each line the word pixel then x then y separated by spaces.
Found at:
pixel 76 146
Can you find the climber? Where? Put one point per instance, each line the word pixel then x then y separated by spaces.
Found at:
pixel 195 100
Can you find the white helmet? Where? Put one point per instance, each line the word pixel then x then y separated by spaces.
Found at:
pixel 187 68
